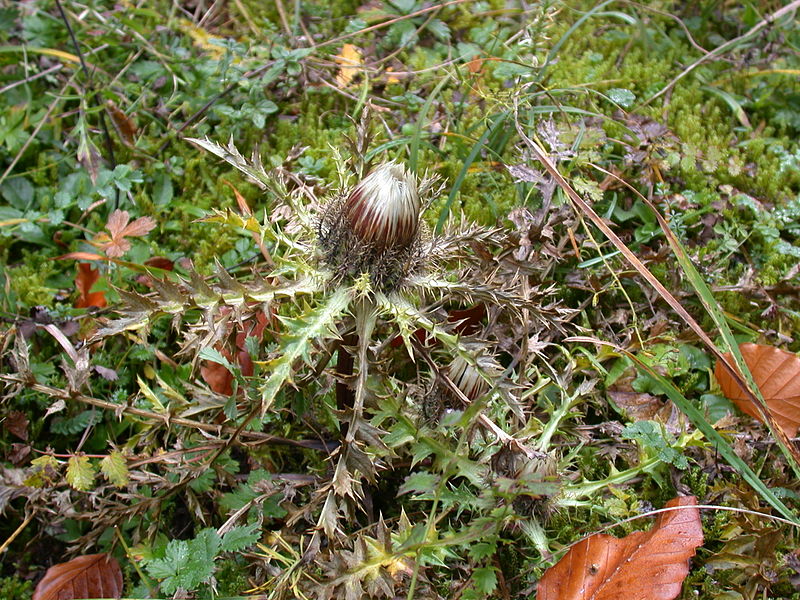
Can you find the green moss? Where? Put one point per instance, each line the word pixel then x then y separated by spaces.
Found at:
pixel 14 588
pixel 29 280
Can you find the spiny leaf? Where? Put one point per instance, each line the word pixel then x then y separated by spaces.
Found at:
pixel 314 325
pixel 232 156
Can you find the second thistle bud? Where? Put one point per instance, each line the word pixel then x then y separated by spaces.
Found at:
pixel 383 209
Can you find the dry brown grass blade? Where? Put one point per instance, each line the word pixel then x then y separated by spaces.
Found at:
pixel 586 209
pixel 725 360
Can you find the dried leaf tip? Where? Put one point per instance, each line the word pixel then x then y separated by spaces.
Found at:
pixel 383 209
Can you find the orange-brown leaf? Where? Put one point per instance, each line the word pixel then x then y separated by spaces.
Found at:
pixel 80 256
pixel 349 61
pixel 645 565
pixel 160 262
pixel 124 124
pixel 84 281
pixel 217 376
pixel 776 372
pixel 119 227
pixel 90 576
pixel 244 208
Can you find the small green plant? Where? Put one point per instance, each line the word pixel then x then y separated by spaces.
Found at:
pixel 189 564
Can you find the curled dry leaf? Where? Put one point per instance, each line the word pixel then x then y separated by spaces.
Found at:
pixel 119 229
pixel 645 565
pixel 84 281
pixel 776 372
pixel 90 576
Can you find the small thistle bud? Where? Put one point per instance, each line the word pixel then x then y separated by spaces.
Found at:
pixel 383 209
pixel 467 379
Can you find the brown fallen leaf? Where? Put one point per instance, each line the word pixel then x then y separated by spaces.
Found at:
pixel 84 281
pixel 218 378
pixel 124 124
pixel 645 565
pixel 89 576
pixel 16 422
pixel 776 372
pixel 157 262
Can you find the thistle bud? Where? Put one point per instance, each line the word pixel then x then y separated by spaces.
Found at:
pixel 383 209
pixel 466 378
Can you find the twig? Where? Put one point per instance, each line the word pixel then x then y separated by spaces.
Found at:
pixel 17 531
pixel 30 78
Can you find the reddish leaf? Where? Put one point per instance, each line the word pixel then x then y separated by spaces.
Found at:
pixel 157 262
pixel 160 262
pixel 777 375
pixel 80 256
pixel 645 565
pixel 119 227
pixel 84 281
pixel 125 125
pixel 17 423
pixel 90 576
pixel 218 378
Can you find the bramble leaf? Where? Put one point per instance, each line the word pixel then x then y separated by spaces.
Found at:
pixel 80 473
pixel 240 538
pixel 115 469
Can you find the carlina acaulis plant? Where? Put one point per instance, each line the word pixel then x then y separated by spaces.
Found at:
pixel 375 227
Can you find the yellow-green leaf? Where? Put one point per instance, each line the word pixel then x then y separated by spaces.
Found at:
pixel 115 469
pixel 44 472
pixel 80 473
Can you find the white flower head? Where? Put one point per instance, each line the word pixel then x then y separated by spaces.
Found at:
pixel 383 209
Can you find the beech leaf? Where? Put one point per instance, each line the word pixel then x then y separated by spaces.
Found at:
pixel 349 61
pixel 647 565
pixel 776 372
pixel 89 576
